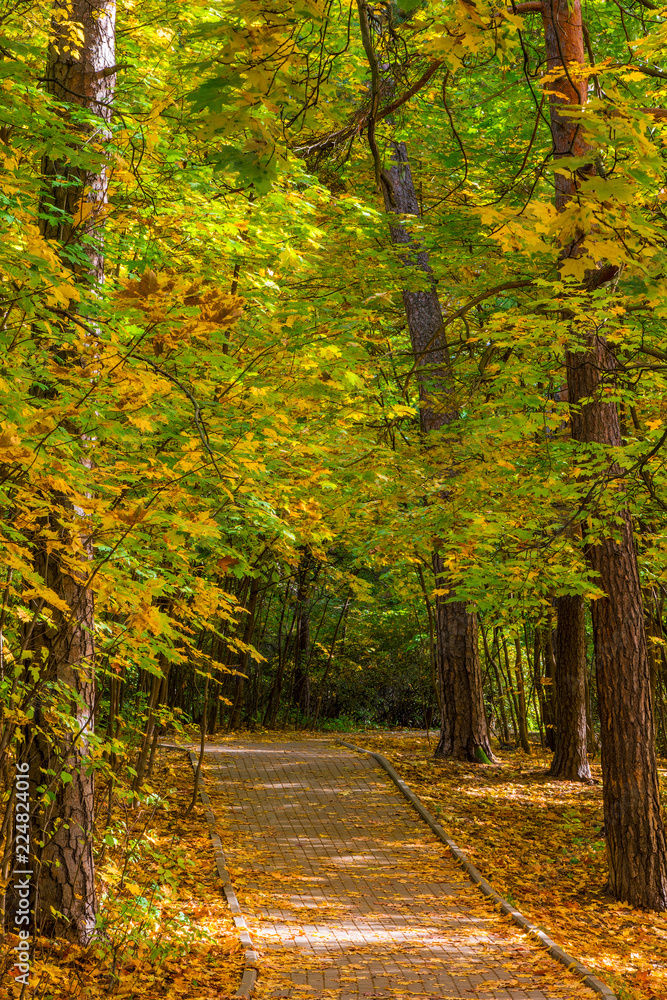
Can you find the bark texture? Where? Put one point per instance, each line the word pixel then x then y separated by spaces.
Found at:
pixel 422 308
pixel 634 827
pixel 81 74
pixel 635 833
pixel 64 865
pixel 564 42
pixel 463 728
pixel 463 732
pixel 570 760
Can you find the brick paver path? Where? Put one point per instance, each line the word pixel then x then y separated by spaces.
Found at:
pixel 349 892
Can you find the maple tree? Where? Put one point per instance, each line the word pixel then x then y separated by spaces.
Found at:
pixel 332 392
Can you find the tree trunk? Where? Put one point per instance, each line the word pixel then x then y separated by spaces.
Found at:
pixel 157 686
pixel 538 690
pixel 273 702
pixel 513 703
pixel 564 43
pixel 58 756
pixel 521 699
pixel 72 212
pixel 495 659
pixel 463 728
pixel 634 829
pixel 75 200
pixel 570 760
pixel 653 631
pixel 549 708
pixel 239 697
pixel 301 683
pixel 325 675
pixel 432 652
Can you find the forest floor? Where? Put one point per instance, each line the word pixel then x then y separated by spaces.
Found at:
pixel 539 843
pixel 168 932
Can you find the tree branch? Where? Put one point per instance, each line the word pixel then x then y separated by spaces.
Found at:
pixel 424 78
pixel 506 286
pixel 371 56
pixel 195 405
pixel 533 7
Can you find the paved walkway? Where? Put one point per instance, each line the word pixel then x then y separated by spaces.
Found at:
pixel 348 894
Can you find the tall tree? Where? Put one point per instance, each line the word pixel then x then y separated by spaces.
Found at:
pixel 80 74
pixel 634 827
pixel 463 729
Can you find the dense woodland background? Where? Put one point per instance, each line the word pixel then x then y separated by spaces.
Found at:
pixel 333 392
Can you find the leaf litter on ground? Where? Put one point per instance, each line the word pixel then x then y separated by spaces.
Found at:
pixel 167 932
pixel 284 965
pixel 540 844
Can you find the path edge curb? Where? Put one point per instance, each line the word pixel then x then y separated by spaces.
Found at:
pixel 250 972
pixel 554 950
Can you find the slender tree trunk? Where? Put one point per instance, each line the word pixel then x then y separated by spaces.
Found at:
pixel 501 698
pixel 538 690
pixel 549 689
pixel 202 747
pixel 653 631
pixel 301 681
pixel 237 708
pixel 521 699
pixel 273 703
pixel 157 731
pixel 661 701
pixel 433 654
pixel 157 686
pixel 499 682
pixel 463 728
pixel 325 675
pixel 590 731
pixel 570 760
pixel 635 833
pixel 513 703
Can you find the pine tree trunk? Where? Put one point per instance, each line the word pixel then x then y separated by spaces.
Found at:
pixel 463 728
pixel 73 209
pixel 75 200
pixel 64 866
pixel 635 834
pixel 570 760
